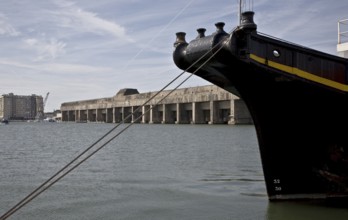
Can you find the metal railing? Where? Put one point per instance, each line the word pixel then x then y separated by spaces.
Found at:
pixel 342 31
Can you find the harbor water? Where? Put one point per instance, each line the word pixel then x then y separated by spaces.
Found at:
pixel 149 172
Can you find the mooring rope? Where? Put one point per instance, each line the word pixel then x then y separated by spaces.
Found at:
pixel 64 171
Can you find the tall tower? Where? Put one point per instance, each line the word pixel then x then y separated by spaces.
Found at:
pixel 342 45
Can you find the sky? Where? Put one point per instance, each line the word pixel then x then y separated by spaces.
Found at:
pixel 86 49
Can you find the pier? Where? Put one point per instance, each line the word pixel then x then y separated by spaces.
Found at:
pixel 194 105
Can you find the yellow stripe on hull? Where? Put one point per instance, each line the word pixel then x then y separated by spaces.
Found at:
pixel 300 73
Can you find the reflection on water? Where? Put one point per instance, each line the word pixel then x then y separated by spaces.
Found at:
pixel 151 172
pixel 318 210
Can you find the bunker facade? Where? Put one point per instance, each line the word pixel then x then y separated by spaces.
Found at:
pixel 195 105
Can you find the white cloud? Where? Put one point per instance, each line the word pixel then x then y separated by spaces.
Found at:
pixel 57 68
pixel 6 28
pixel 85 46
pixel 46 49
pixel 71 16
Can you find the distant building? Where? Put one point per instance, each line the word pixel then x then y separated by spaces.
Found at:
pixel 56 115
pixel 19 107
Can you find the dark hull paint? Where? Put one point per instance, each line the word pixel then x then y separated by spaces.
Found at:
pixel 300 122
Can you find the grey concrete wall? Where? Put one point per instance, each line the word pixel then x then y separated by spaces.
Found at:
pixel 195 105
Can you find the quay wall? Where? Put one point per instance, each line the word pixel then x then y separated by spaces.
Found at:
pixel 196 105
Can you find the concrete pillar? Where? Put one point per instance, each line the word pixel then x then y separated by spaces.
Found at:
pixel 213 112
pixel 154 114
pixel 133 115
pixel 113 115
pixel 143 113
pixel 77 115
pixel 89 115
pixel 146 114
pixel 194 113
pixel 122 114
pixel 104 115
pixel 151 114
pixel 178 113
pixel 98 113
pixel 166 114
pixel 197 113
pixel 109 115
pixel 136 113
pixel 231 120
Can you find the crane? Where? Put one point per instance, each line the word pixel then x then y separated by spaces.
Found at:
pixel 40 111
pixel 45 101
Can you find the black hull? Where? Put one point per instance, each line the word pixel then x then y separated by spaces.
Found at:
pixel 296 124
pixel 299 119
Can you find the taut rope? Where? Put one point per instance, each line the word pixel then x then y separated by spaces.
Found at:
pixel 83 156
